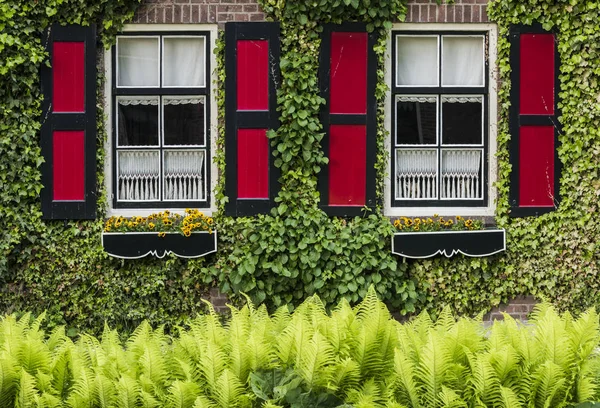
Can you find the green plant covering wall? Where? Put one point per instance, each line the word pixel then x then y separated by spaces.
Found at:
pixel 297 250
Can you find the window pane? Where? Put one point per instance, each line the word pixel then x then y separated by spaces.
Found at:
pixel 137 62
pixel 416 120
pixel 138 175
pixel 462 119
pixel 184 175
pixel 137 119
pixel 416 174
pixel 183 62
pixel 183 120
pixel 461 174
pixel 462 63
pixel 417 61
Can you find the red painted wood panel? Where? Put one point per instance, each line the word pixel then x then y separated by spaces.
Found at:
pixel 348 73
pixel 253 75
pixel 253 163
pixel 68 158
pixel 536 166
pixel 537 74
pixel 347 165
pixel 68 72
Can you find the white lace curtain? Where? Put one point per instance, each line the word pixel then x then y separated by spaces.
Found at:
pixel 139 175
pixel 417 174
pixel 183 62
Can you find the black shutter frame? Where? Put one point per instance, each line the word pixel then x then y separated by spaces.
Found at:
pixel 369 119
pixel 83 121
pixel 235 119
pixel 516 121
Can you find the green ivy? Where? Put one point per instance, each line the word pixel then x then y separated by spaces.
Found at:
pixel 296 250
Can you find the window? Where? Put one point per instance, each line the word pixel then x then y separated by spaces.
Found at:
pixel 440 136
pixel 161 120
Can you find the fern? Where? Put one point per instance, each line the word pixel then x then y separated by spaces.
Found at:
pixel 182 394
pixel 404 388
pixel 27 393
pixel 229 390
pixel 315 357
pixel 431 371
pixel 128 393
pixel 508 398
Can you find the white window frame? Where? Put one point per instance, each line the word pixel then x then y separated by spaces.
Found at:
pixel 212 118
pixel 492 170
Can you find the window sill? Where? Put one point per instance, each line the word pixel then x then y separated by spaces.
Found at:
pixel 135 245
pixel 420 245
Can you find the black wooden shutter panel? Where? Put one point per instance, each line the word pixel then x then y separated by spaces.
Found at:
pixel 68 134
pixel 252 72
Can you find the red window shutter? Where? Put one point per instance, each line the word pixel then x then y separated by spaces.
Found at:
pixel 347 77
pixel 68 134
pixel 534 122
pixel 252 70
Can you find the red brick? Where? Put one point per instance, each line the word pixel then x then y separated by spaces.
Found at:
pixel 484 16
pixel 224 17
pixel 230 8
pixel 251 8
pixel 195 13
pixel 168 14
pixel 467 14
pixel 433 14
pixel 257 17
pixel 450 13
pixel 212 14
pixel 241 17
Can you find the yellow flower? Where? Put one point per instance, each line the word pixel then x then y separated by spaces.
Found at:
pixel 469 223
pixel 107 229
pixel 429 221
pixel 187 232
pixel 416 228
pixel 458 217
pixel 162 234
pixel 151 225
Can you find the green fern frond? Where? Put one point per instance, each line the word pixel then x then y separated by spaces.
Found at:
pixel 9 378
pixel 404 387
pixel 586 389
pixel 345 376
pixel 269 404
pixel 83 389
pixel 106 393
pixel 484 384
pixel 128 393
pixel 314 358
pixel 26 395
pixel 203 402
pixel 548 386
pixel 508 398
pixel 369 395
pixel 57 339
pixel 229 390
pixel 62 374
pixel 212 365
pixel 153 365
pixel 33 355
pixel 450 399
pixel 148 400
pixel 432 368
pixel 182 394
pixel 505 363
pixel 47 400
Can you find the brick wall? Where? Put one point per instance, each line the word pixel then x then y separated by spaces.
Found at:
pixel 198 11
pixel 519 308
pixel 462 11
pixel 221 11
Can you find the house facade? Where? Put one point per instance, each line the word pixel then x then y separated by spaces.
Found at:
pixel 304 131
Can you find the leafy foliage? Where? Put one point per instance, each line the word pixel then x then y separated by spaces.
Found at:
pixel 351 357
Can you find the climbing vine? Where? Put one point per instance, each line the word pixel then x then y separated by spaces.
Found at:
pixel 282 257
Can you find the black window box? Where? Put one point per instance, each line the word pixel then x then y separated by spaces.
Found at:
pixel 478 243
pixel 134 245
